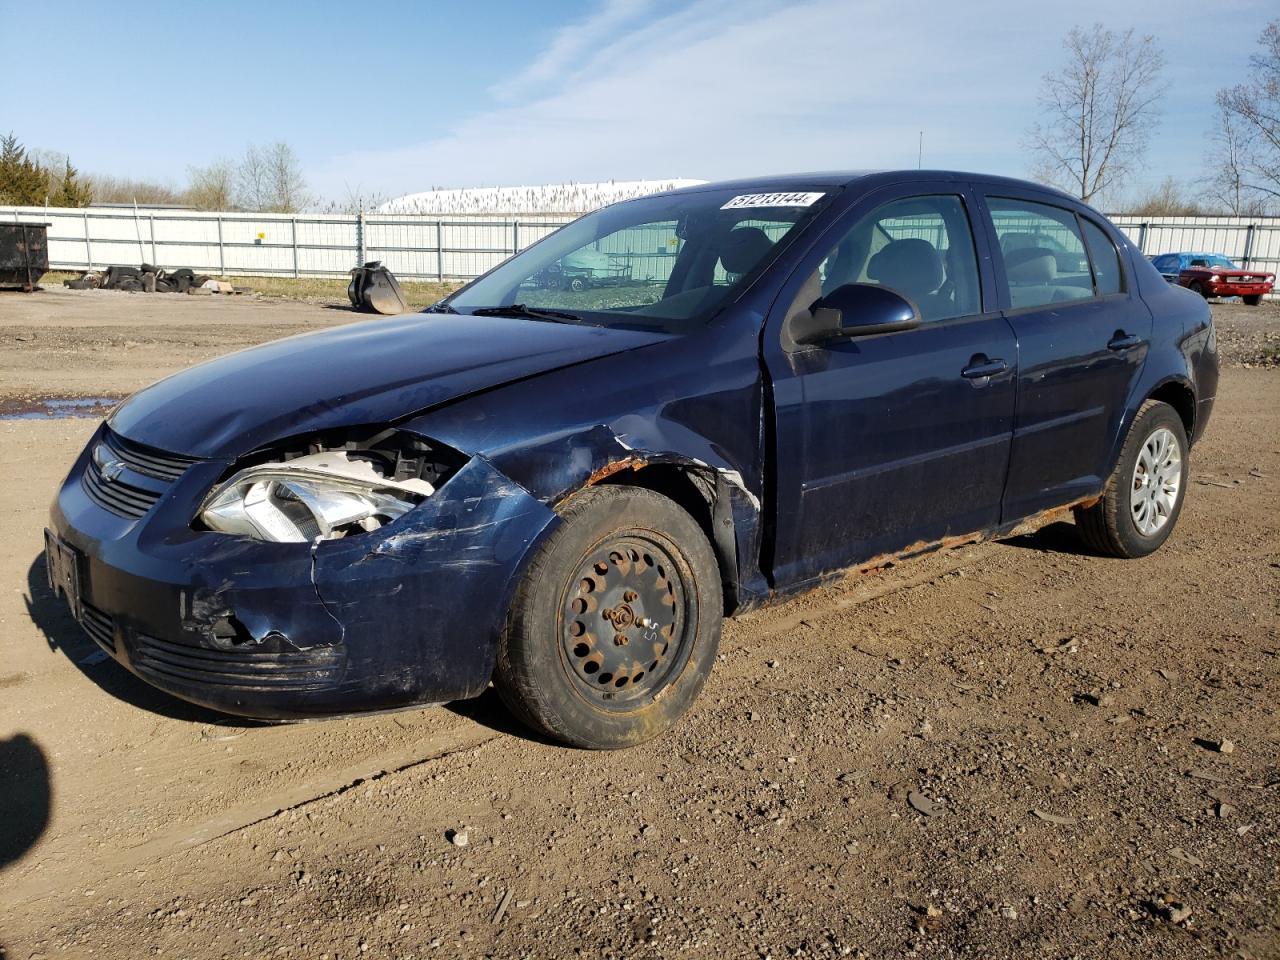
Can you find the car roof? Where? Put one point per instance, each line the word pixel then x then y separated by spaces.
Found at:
pixel 865 179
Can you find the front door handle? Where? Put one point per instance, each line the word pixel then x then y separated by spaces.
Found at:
pixel 981 369
pixel 1124 341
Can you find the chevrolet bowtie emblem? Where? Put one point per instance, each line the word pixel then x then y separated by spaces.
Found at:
pixel 111 469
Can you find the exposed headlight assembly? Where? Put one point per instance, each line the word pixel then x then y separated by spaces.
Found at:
pixel 321 496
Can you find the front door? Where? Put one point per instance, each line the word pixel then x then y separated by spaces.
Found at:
pixel 886 441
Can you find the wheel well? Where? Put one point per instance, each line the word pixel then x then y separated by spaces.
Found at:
pixel 696 496
pixel 1180 397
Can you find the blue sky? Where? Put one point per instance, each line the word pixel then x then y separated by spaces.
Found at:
pixel 396 97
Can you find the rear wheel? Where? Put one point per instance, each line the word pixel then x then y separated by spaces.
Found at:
pixel 1253 299
pixel 616 625
pixel 1143 497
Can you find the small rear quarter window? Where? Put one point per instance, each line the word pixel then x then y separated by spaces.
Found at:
pixel 1106 261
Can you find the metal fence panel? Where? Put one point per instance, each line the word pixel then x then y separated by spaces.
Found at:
pixel 455 247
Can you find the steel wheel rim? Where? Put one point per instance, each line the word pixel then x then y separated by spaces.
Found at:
pixel 626 621
pixel 1157 481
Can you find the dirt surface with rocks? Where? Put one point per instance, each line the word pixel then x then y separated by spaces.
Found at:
pixel 1013 749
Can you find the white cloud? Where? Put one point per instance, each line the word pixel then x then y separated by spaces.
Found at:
pixel 723 88
pixel 571 45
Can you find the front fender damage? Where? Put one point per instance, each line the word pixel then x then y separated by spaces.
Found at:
pixel 729 509
pixel 422 608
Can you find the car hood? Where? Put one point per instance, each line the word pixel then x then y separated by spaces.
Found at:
pixel 1226 271
pixel 361 373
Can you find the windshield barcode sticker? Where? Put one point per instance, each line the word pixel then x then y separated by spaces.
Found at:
pixel 772 200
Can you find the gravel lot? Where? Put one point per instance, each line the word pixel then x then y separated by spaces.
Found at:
pixel 1007 750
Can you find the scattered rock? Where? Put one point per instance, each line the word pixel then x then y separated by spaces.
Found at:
pixel 1217 746
pixel 1054 818
pixel 1180 854
pixel 459 837
pixel 1172 910
pixel 922 804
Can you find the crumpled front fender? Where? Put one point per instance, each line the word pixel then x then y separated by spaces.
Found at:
pixel 422 607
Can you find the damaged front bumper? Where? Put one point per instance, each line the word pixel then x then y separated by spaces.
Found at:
pixel 409 614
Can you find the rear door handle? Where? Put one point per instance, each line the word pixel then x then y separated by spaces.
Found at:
pixel 1124 341
pixel 982 369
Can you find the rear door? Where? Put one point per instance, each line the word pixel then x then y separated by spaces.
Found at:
pixel 884 441
pixel 1082 339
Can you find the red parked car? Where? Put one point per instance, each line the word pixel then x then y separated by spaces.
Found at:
pixel 1213 275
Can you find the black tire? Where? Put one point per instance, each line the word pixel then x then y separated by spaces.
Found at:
pixel 1252 300
pixel 1197 287
pixel 577 284
pixel 1109 526
pixel 559 653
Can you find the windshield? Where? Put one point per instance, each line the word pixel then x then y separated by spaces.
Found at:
pixel 1212 260
pixel 667 262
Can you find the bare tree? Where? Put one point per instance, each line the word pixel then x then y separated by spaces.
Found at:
pixel 211 187
pixel 1225 181
pixel 1098 110
pixel 284 179
pixel 1167 200
pixel 253 191
pixel 269 179
pixel 1254 108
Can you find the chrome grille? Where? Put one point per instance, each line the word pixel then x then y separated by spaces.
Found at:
pixel 119 497
pixel 123 497
pixel 145 460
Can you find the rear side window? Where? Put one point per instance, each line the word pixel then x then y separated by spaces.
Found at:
pixel 1106 262
pixel 1044 255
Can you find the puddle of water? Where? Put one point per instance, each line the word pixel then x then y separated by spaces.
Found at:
pixel 55 408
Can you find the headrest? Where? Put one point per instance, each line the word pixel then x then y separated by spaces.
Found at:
pixel 1018 241
pixel 912 266
pixel 744 248
pixel 1031 265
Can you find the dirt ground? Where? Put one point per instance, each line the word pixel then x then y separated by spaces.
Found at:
pixel 1007 750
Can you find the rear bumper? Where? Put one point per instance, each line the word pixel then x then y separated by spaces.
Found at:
pixel 408 615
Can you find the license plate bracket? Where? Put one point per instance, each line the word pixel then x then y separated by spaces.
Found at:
pixel 64 565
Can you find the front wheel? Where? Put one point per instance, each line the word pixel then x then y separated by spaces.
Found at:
pixel 1144 493
pixel 1197 287
pixel 1252 300
pixel 616 624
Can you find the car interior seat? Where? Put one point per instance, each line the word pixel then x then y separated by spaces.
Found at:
pixel 1033 277
pixel 743 248
pixel 913 267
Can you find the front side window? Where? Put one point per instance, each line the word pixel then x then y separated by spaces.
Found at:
pixel 664 262
pixel 1044 255
pixel 1106 261
pixel 921 247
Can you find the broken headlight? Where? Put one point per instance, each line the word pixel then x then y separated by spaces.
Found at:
pixel 318 496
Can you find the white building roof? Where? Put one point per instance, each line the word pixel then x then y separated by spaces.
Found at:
pixel 549 198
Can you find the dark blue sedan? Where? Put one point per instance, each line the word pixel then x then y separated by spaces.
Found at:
pixel 563 491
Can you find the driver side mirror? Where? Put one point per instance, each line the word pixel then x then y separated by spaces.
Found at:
pixel 856 310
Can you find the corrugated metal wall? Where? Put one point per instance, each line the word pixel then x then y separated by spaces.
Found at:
pixel 453 248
